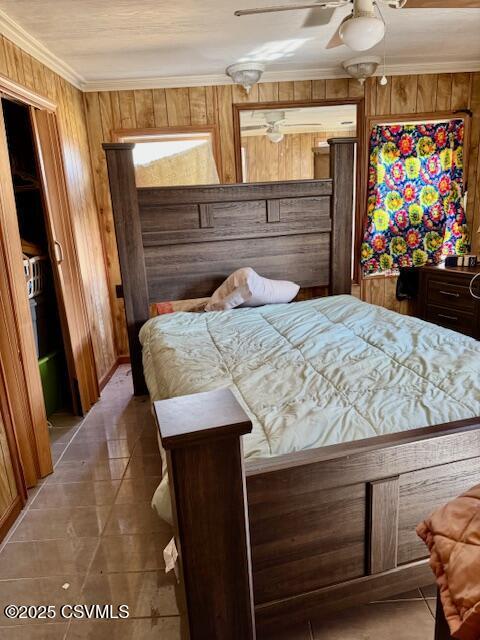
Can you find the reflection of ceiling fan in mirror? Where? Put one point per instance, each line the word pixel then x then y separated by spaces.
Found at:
pixel 361 29
pixel 274 126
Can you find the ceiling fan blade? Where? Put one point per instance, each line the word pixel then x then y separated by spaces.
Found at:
pixel 335 40
pixel 442 4
pixel 275 8
pixel 259 127
pixel 318 17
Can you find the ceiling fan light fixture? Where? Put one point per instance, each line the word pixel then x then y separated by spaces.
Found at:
pixel 362 67
pixel 275 136
pixel 245 74
pixel 362 33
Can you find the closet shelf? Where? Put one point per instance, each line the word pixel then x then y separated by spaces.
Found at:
pixel 22 188
pixel 23 181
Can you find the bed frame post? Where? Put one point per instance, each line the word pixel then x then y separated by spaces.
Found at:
pixel 342 170
pixel 202 436
pixel 123 190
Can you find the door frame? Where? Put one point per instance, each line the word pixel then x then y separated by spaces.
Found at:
pixel 15 476
pixel 23 378
pixel 23 381
pixel 66 267
pixel 19 93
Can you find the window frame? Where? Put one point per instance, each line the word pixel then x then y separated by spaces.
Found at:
pixel 169 134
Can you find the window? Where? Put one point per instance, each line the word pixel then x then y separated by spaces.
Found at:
pixel 175 157
pixel 415 211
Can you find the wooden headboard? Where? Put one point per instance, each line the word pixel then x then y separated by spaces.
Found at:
pixel 177 243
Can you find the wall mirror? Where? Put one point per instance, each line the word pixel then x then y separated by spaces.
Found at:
pixel 289 142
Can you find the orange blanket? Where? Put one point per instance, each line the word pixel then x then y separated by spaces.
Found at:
pixel 452 533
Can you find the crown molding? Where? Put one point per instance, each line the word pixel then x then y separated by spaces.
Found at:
pixel 418 68
pixel 318 73
pixel 14 32
pixel 171 82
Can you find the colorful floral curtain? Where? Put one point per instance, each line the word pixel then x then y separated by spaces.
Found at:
pixel 415 196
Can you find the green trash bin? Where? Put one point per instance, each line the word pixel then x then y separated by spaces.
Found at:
pixel 53 376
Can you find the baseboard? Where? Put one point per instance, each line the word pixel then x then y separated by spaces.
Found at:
pixel 9 517
pixel 107 376
pixel 105 379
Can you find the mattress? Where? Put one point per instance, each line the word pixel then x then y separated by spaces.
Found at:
pixel 315 373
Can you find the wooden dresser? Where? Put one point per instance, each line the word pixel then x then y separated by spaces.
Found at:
pixel 445 299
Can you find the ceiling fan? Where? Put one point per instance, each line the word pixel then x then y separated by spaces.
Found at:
pixel 272 131
pixel 361 29
pixel 271 126
pixel 274 126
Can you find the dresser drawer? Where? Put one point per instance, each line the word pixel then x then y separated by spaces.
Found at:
pixel 462 321
pixel 450 294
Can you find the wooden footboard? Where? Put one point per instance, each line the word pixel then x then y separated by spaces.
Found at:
pixel 325 529
pixel 334 527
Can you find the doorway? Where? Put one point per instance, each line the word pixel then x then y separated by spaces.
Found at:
pixel 60 393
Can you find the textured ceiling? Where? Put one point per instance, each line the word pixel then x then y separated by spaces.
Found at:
pixel 105 39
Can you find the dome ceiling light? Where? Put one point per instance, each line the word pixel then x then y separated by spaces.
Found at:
pixel 274 134
pixel 362 67
pixel 363 29
pixel 245 74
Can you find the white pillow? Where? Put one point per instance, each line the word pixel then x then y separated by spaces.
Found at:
pixel 246 288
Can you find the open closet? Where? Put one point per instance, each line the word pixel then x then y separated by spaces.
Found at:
pixel 60 392
pixel 47 365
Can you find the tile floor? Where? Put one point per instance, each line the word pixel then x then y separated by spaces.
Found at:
pixel 90 526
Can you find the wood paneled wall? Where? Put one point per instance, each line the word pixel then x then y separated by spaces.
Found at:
pixel 12 489
pixel 8 485
pixel 107 111
pixel 23 68
pixel 382 290
pixel 289 159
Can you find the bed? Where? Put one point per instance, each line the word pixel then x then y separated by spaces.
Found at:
pixel 318 518
pixel 314 374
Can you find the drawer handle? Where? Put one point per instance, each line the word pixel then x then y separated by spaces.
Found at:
pixel 443 315
pixel 449 293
